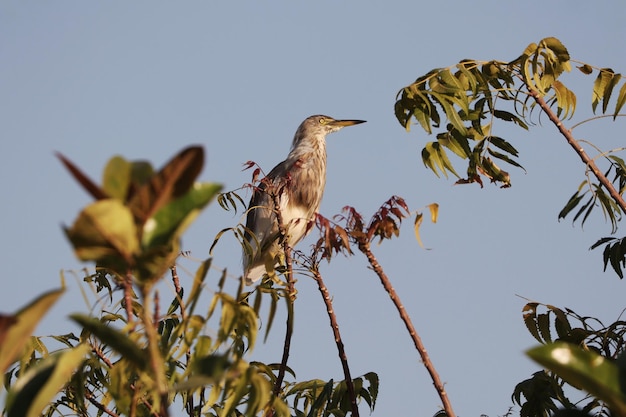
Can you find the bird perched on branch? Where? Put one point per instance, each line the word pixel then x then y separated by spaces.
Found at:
pixel 298 184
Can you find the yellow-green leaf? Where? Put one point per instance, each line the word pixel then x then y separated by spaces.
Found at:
pixel 114 338
pixel 584 369
pixel 621 99
pixel 116 177
pixel 37 387
pixel 104 229
pixel 599 86
pixel 416 227
pixel 434 211
pixel 18 332
pixel 171 220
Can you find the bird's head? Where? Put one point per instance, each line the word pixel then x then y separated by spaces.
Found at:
pixel 317 127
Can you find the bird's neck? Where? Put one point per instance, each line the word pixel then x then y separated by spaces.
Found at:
pixel 308 150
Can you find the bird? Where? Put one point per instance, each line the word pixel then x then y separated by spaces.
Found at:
pixel 298 182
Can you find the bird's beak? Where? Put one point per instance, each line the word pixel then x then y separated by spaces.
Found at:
pixel 343 123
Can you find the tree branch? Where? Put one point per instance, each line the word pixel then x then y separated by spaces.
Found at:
pixel 364 247
pixel 340 348
pixel 577 148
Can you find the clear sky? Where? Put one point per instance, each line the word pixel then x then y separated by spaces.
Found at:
pixel 144 79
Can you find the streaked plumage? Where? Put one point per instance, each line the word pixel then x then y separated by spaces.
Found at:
pixel 299 180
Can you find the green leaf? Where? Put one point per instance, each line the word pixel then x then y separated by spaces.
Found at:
pixel 509 117
pixel 198 283
pixel 601 242
pixel 566 100
pixel 430 158
pixel 504 158
pixel 37 387
pixel 583 369
pixel 503 144
pixel 599 86
pixel 104 229
pixel 573 201
pixel 456 143
pixel 171 221
pixel 19 330
pixel 613 81
pixel 435 158
pixel 557 48
pixel 116 178
pixel 140 173
pixel 543 325
pixel 529 314
pixel 621 99
pixel 118 341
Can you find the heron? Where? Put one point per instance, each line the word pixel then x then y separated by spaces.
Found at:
pixel 298 184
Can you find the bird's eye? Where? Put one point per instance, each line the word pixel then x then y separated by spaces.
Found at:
pixel 322 121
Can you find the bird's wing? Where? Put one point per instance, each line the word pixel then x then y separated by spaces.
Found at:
pixel 261 227
pixel 261 219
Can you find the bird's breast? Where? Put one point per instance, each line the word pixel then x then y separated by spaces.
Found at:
pixel 306 187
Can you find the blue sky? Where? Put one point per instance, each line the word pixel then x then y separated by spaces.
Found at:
pixel 145 79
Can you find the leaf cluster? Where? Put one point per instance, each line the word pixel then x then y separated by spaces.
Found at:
pixel 336 236
pixel 579 351
pixel 317 398
pixel 469 95
pixel 463 102
pixel 139 214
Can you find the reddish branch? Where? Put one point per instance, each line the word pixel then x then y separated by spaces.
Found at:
pixel 364 246
pixel 340 348
pixel 103 409
pixel 578 149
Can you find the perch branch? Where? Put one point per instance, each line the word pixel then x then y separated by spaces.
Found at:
pixel 364 247
pixel 340 348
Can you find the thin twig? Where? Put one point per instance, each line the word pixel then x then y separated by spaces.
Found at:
pixel 98 351
pixel 127 284
pixel 340 348
pixel 157 307
pixel 608 185
pixel 179 295
pixel 98 405
pixel 156 360
pixel 183 314
pixel 364 247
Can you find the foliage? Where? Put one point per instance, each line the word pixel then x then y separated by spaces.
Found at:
pixel 462 103
pixel 132 360
pixel 577 350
